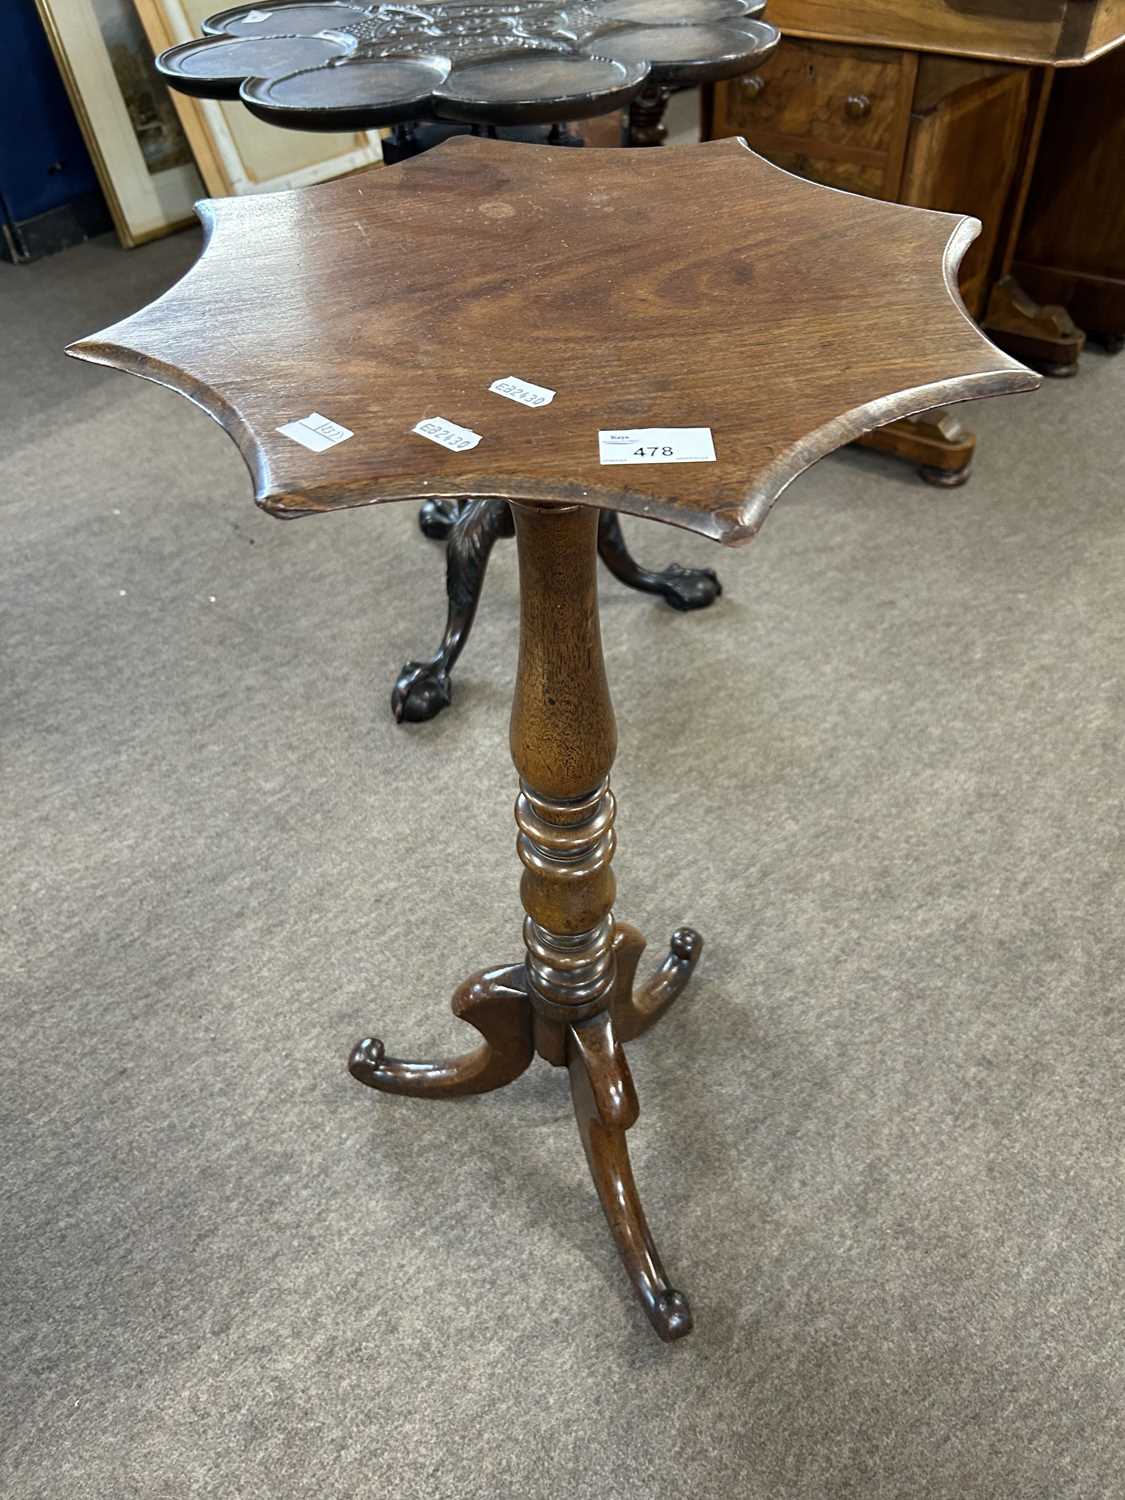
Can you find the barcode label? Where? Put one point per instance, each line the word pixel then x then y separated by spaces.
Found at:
pixel 316 432
pixel 448 434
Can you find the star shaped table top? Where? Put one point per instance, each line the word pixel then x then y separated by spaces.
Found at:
pixel 693 287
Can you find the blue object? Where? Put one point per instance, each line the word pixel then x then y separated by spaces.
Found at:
pixel 49 194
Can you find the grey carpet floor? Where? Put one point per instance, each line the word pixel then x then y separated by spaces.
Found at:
pixel 881 1142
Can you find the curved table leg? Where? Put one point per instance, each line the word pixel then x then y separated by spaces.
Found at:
pixel 635 1009
pixel 683 588
pixel 496 1003
pixel 423 688
pixel 605 1104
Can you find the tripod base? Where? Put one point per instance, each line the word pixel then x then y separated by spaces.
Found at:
pixel 498 1003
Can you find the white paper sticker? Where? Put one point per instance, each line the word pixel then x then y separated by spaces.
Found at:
pixel 448 434
pixel 316 432
pixel 657 445
pixel 522 391
pixel 254 16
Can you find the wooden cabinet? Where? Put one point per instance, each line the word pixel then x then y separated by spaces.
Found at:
pixel 944 104
pixel 1050 33
pixel 837 115
pixel 1071 246
pixel 937 132
pixel 963 154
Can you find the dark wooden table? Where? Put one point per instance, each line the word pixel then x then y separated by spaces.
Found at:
pixel 648 415
pixel 346 65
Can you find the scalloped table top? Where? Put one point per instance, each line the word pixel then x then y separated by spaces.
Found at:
pixel 360 64
pixel 691 287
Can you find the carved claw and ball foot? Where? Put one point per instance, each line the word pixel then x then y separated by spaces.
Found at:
pixel 437 518
pixel 471 529
pixel 423 688
pixel 498 1004
pixel 682 588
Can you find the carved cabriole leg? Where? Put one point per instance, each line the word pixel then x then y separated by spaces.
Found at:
pixel 423 688
pixel 563 742
pixel 683 588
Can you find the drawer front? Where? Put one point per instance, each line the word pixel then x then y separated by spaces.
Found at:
pixel 852 176
pixel 842 96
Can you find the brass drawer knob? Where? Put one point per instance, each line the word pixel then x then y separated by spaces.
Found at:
pixel 753 85
pixel 857 107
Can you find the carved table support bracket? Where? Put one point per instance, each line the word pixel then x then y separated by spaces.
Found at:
pixel 1045 334
pixel 495 1002
pixel 934 440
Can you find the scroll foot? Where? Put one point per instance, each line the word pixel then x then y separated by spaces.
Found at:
pixel 605 1105
pixel 635 1009
pixel 423 688
pixel 682 588
pixel 496 1003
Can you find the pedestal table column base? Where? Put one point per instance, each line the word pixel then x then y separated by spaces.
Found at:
pixel 501 1006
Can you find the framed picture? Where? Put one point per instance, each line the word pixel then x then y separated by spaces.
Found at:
pixel 140 152
pixel 235 152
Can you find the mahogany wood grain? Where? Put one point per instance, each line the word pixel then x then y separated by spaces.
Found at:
pixel 1071 245
pixel 836 115
pixel 495 1002
pixel 635 1007
pixel 560 676
pixel 387 298
pixel 605 1105
pixel 1051 32
pixel 946 165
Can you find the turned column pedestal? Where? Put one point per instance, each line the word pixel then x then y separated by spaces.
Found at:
pixel 573 999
